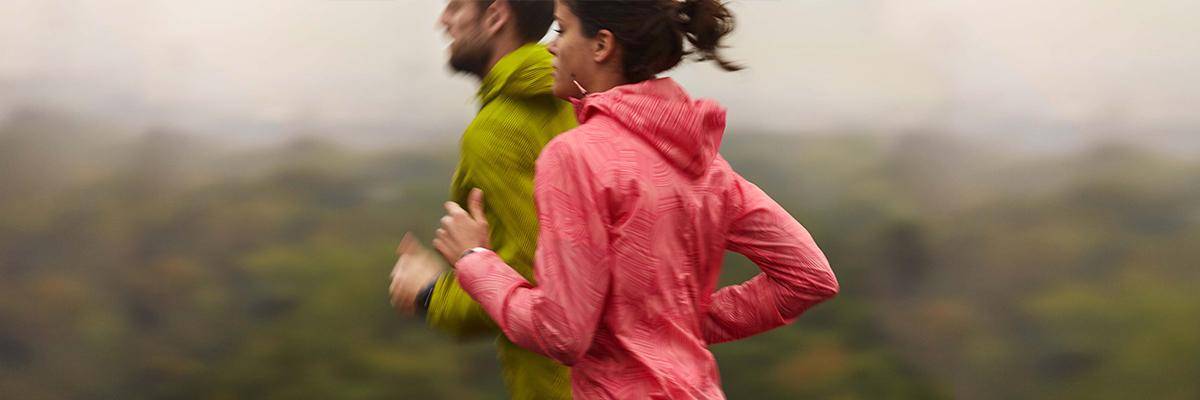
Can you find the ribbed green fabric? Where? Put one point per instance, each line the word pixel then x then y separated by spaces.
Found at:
pixel 518 115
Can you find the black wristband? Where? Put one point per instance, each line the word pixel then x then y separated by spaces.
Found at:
pixel 424 296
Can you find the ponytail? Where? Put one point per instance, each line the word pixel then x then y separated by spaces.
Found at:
pixel 704 23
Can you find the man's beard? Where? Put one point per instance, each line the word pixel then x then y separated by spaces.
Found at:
pixel 471 60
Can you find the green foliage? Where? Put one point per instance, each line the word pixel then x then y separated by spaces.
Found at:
pixel 169 268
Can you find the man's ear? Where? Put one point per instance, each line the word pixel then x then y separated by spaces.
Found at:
pixel 496 16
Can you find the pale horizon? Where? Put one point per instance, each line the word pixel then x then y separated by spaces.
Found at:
pixel 376 68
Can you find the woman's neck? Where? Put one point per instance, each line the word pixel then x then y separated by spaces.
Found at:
pixel 605 81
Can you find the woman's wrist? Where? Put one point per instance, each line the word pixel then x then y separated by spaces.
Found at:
pixel 471 251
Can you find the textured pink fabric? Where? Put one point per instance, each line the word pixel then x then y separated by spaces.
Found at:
pixel 636 211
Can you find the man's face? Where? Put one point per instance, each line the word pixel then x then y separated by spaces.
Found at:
pixel 470 49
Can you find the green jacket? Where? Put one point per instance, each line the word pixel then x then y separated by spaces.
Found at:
pixel 518 115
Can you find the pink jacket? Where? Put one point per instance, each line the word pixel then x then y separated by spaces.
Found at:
pixel 636 211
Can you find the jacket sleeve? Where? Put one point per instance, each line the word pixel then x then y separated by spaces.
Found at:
pixel 795 274
pixel 453 311
pixel 559 316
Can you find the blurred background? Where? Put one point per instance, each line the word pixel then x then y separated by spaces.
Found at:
pixel 200 200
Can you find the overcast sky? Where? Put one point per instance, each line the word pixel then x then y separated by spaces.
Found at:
pixel 377 67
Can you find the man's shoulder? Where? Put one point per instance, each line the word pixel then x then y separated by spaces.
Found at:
pixel 523 114
pixel 522 123
pixel 542 105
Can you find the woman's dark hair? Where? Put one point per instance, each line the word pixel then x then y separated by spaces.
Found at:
pixel 652 32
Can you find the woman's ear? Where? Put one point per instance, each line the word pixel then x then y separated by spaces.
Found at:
pixel 604 46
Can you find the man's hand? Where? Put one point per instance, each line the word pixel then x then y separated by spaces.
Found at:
pixel 461 231
pixel 416 269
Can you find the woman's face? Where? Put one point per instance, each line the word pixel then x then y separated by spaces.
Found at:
pixel 572 54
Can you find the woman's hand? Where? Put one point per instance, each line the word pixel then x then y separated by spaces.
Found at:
pixel 462 231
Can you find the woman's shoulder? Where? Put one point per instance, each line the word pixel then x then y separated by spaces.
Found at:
pixel 585 142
